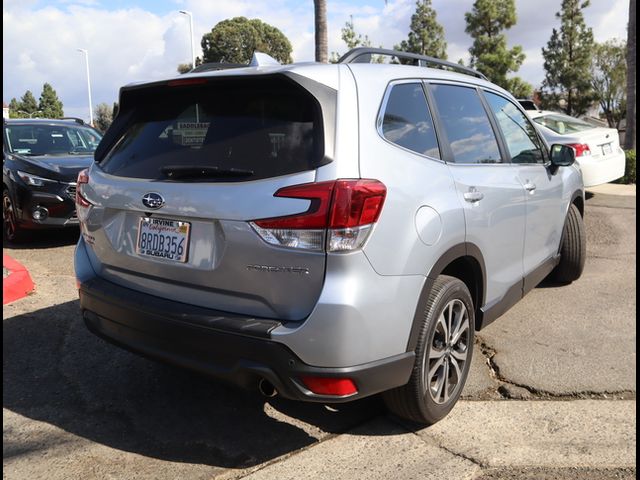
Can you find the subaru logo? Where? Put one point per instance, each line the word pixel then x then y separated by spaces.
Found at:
pixel 153 200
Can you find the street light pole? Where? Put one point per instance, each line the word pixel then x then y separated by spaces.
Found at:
pixel 86 56
pixel 193 51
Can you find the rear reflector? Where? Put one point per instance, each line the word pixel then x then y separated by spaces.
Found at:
pixel 338 387
pixel 342 211
pixel 581 149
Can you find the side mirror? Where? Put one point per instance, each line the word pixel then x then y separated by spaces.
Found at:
pixel 562 155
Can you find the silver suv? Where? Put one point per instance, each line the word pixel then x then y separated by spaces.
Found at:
pixel 325 232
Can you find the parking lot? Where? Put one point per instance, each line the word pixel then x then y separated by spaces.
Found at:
pixel 551 393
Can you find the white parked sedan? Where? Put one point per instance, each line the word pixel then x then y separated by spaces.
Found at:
pixel 597 149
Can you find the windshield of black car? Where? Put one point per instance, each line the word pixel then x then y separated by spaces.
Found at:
pixel 38 139
pixel 264 126
pixel 562 124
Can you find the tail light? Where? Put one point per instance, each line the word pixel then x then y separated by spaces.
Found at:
pixel 582 149
pixel 340 217
pixel 83 179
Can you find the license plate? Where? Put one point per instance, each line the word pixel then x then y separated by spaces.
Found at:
pixel 606 148
pixel 163 238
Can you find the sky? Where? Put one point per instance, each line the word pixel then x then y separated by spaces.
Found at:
pixel 138 40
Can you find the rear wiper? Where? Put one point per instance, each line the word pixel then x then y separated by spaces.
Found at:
pixel 182 172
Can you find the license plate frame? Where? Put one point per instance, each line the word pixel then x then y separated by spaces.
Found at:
pixel 160 245
pixel 607 149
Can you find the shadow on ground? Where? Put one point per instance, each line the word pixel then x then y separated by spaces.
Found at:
pixel 36 239
pixel 55 371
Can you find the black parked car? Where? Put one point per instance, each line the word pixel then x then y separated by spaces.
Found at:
pixel 41 159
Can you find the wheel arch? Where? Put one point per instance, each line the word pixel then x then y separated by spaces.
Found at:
pixel 465 262
pixel 577 199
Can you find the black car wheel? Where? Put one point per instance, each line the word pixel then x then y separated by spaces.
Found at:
pixel 573 249
pixel 443 355
pixel 10 226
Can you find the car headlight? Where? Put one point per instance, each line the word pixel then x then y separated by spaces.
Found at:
pixel 34 180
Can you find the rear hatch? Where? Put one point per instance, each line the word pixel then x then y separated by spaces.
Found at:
pixel 185 168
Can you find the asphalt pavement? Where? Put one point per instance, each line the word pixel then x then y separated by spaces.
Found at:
pixel 551 394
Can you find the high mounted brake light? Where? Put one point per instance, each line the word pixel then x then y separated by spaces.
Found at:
pixel 341 213
pixel 186 81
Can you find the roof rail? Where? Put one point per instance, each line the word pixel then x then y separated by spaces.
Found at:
pixel 364 54
pixel 75 119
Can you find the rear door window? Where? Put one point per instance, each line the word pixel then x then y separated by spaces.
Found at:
pixel 224 130
pixel 466 124
pixel 407 121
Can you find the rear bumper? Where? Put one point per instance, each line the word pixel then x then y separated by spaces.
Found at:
pixel 599 170
pixel 231 347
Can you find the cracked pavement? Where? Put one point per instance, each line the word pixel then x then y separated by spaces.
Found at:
pixel 551 393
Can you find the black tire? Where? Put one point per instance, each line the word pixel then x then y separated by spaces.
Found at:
pixel 418 400
pixel 573 250
pixel 11 230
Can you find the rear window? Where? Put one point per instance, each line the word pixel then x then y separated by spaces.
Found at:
pixel 562 123
pixel 224 130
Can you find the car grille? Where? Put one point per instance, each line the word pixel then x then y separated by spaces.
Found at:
pixel 71 191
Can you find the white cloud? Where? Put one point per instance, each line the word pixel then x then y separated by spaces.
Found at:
pixel 124 46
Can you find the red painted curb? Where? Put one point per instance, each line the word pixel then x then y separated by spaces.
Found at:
pixel 18 284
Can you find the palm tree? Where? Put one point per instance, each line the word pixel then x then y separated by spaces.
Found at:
pixel 322 47
pixel 630 133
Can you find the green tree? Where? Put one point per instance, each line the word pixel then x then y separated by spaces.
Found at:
pixel 102 117
pixel 14 109
pixel 28 102
pixel 234 41
pixel 609 79
pixel 187 67
pixel 630 131
pixel 26 107
pixel 427 35
pixel 567 62
pixel 184 67
pixel 352 38
pixel 50 105
pixel 489 53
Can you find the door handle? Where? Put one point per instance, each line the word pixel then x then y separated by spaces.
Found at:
pixel 473 195
pixel 530 187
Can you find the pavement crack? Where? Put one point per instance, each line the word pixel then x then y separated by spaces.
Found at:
pixel 540 394
pixel 619 256
pixel 611 207
pixel 432 442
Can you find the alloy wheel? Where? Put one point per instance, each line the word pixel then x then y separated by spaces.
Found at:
pixel 8 216
pixel 447 354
